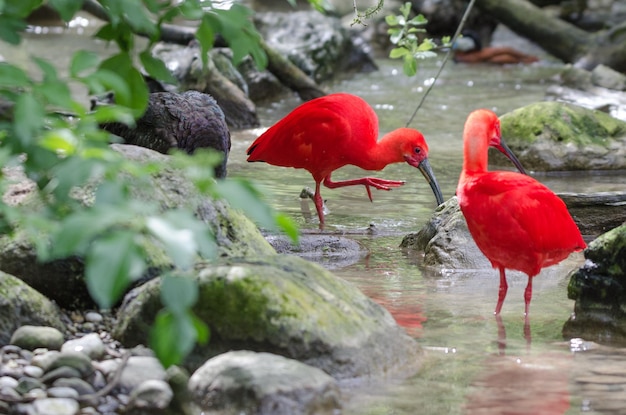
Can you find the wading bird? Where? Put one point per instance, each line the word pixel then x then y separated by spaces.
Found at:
pixel 335 130
pixel 517 222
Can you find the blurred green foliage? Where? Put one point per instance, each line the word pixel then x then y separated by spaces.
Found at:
pixel 61 153
pixel 409 37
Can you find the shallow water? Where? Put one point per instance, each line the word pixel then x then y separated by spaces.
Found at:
pixel 469 365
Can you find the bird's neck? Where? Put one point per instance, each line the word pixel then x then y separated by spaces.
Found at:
pixel 475 150
pixel 386 151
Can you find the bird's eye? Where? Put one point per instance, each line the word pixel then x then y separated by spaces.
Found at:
pixel 417 150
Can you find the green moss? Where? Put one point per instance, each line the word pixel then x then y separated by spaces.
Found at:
pixel 560 122
pixel 262 301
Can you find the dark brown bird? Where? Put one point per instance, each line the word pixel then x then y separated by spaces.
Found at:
pixel 187 121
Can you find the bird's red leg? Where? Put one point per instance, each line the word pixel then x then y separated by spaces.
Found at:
pixel 381 184
pixel 319 204
pixel 528 294
pixel 502 291
pixel 501 335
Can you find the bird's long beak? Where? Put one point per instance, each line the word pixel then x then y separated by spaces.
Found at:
pixel 427 171
pixel 504 149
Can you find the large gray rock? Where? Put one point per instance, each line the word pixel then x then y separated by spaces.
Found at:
pixel 263 384
pixel 288 306
pixel 548 136
pixel 317 44
pixel 235 234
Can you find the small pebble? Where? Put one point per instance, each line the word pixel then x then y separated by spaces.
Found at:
pixel 93 317
pixel 62 392
pixel 33 371
pixel 56 406
pixel 8 381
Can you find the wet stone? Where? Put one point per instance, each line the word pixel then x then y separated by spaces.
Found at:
pixel 78 361
pixel 94 317
pixel 139 369
pixel 8 381
pixel 26 384
pixel 60 372
pixel 33 371
pixel 151 394
pixel 9 394
pixel 44 359
pixel 32 337
pixel 36 393
pixel 80 386
pixel 56 406
pixel 90 345
pixel 62 392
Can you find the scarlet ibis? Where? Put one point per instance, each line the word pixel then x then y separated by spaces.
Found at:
pixel 517 222
pixel 335 130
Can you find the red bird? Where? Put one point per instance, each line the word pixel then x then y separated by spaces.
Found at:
pixel 332 131
pixel 517 222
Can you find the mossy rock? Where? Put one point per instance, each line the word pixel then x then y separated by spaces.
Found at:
pixel 22 305
pixel 288 306
pixel 599 289
pixel 549 136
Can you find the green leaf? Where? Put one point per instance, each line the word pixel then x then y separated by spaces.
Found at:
pixel 243 195
pixel 29 116
pixel 410 65
pixel 56 93
pixel 392 20
pixel 288 226
pixel 178 294
pixel 155 67
pixel 405 9
pixel 173 336
pixel 66 8
pixel 113 261
pixel 398 52
pixel 12 76
pixel 10 29
pixel 179 243
pixel 78 230
pixel 135 14
pixel 205 37
pixel 61 141
pixel 235 25
pixel 81 61
pixel 395 35
pixel 21 8
pixel 418 20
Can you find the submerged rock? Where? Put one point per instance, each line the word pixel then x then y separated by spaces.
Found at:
pixel 599 289
pixel 284 305
pixel 548 136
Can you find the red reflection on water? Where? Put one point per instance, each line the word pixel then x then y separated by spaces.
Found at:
pixel 409 316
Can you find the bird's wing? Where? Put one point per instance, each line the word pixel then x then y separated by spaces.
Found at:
pixel 301 137
pixel 518 214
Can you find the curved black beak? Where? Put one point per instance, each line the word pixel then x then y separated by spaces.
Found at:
pixel 504 149
pixel 427 171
